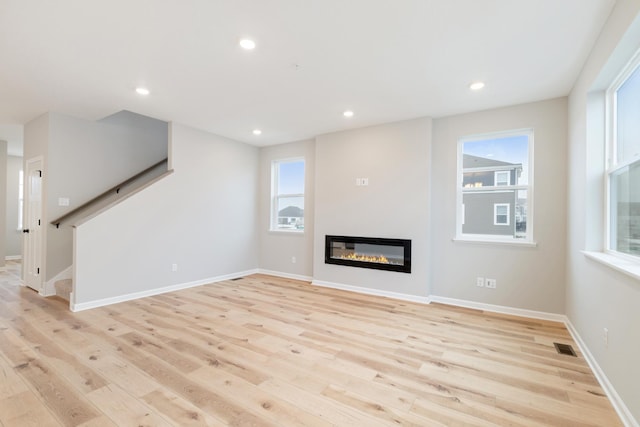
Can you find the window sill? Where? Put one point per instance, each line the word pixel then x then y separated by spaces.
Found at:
pixel 630 268
pixel 288 232
pixel 489 241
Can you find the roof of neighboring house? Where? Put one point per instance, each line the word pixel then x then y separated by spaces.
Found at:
pixel 292 212
pixel 469 162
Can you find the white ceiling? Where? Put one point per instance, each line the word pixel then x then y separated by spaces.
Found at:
pixel 386 60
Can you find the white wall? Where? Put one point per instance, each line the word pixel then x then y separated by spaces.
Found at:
pixel 527 278
pixel 396 159
pixel 278 248
pixel 202 217
pixel 86 158
pixel 597 296
pixel 13 235
pixel 3 202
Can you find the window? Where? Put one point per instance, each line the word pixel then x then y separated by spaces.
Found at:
pixel 20 198
pixel 501 214
pixel 623 168
pixel 287 195
pixel 502 178
pixel 495 187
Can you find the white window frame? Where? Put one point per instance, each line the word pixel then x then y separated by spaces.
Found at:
pixel 613 166
pixel 497 180
pixel 495 213
pixel 528 240
pixel 275 197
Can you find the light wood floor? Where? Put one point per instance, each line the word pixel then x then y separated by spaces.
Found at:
pixel 270 351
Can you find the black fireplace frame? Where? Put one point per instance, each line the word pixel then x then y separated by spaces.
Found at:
pixel 405 244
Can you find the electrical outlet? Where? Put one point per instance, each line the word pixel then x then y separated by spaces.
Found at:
pixel 491 283
pixel 480 282
pixel 293 260
pixel 605 337
pixel 174 267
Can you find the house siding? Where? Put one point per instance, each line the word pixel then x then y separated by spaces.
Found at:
pixel 479 218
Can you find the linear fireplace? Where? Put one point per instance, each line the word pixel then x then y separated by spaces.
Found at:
pixel 369 252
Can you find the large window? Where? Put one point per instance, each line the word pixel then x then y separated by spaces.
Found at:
pixel 495 187
pixel 623 168
pixel 287 195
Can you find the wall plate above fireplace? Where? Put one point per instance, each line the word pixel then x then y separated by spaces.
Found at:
pixel 369 252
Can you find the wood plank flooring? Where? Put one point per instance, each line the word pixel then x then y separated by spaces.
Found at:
pixel 266 351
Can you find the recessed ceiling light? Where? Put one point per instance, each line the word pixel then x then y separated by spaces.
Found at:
pixel 142 91
pixel 476 85
pixel 247 44
pixel 257 132
pixel 348 113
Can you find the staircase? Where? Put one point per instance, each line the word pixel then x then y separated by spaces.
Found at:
pixel 64 289
pixel 62 284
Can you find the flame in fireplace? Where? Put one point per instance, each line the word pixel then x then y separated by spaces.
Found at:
pixel 380 259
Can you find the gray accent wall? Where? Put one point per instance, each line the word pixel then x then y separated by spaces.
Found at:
pixel 278 248
pixel 395 158
pixel 13 236
pixel 531 278
pixel 598 296
pixel 201 218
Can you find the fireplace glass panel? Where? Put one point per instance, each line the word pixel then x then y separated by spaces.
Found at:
pixel 380 254
pixel 369 252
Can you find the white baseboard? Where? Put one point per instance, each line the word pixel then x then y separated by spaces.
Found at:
pixel 542 315
pixel 46 292
pixel 136 295
pixel 618 404
pixel 369 291
pixel 13 257
pixel 285 275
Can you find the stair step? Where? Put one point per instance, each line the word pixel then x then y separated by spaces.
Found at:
pixel 64 288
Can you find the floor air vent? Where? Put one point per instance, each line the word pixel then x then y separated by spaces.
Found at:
pixel 565 349
pixel 237 278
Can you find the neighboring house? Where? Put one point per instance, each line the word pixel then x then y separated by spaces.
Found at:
pixel 496 211
pixel 291 217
